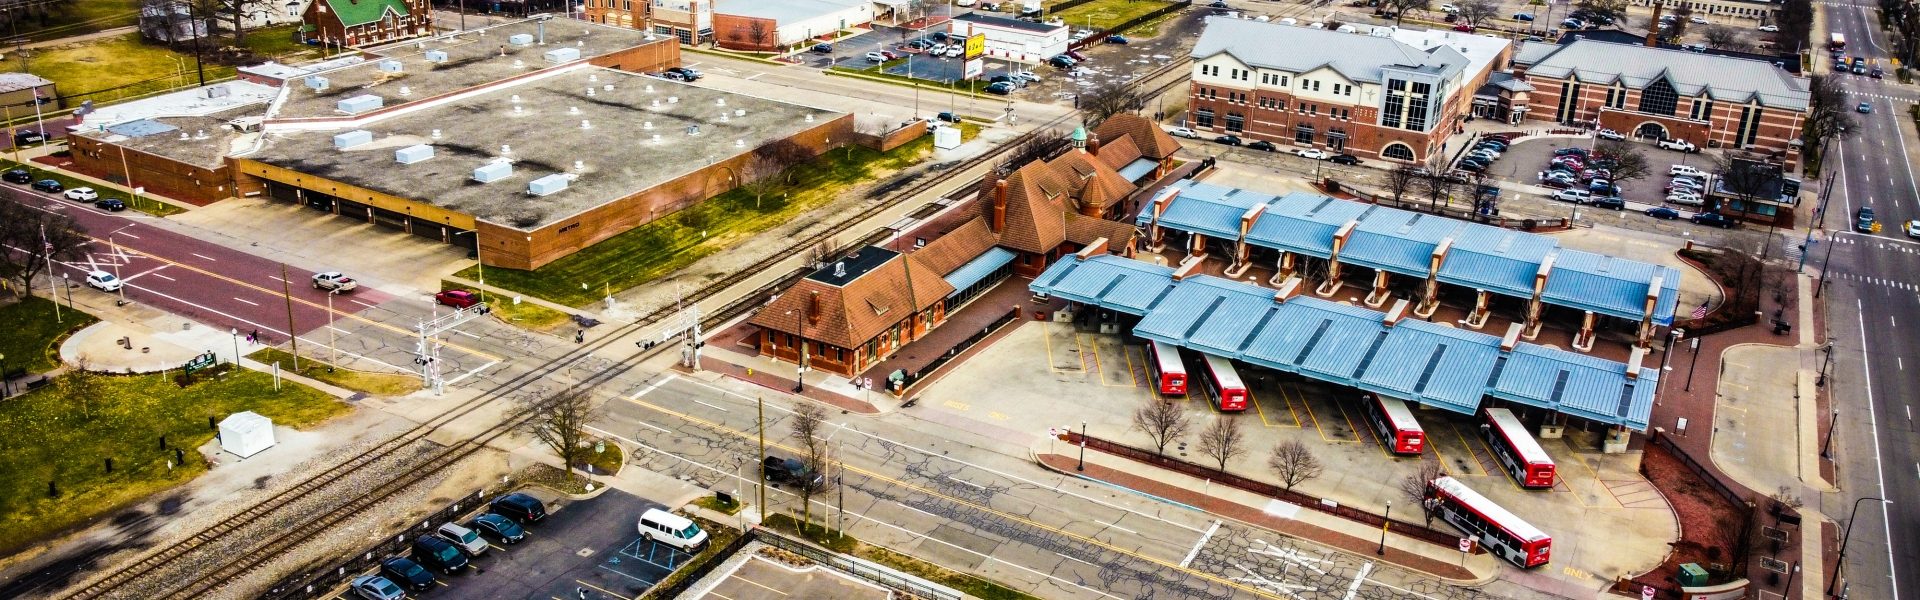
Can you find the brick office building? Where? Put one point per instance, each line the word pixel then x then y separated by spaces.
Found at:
pixel 1393 93
pixel 1659 93
pixel 361 22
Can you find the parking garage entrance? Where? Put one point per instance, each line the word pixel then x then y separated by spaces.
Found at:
pixel 366 213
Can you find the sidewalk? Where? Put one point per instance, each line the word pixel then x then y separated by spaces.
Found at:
pixel 1268 513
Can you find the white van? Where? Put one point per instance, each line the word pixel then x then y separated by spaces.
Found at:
pixel 673 530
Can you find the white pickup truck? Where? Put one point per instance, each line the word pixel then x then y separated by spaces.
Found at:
pixel 334 281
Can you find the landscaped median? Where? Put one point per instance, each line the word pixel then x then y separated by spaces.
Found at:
pixel 145 204
pixel 90 443
pixel 378 384
pixel 667 244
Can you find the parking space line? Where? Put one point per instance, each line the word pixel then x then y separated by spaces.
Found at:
pixel 709 593
pixel 602 590
pixel 617 572
pixel 740 577
pixel 1316 421
pixel 1468 444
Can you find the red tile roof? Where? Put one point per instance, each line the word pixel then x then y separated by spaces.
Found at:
pixel 956 248
pixel 1152 141
pixel 851 315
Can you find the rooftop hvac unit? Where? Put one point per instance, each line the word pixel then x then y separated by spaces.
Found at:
pixel 563 55
pixel 413 154
pixel 520 39
pixel 391 66
pixel 493 171
pixel 436 56
pixel 547 185
pixel 217 91
pixel 317 83
pixel 361 103
pixel 343 141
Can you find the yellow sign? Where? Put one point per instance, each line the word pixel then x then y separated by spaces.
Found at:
pixel 976 46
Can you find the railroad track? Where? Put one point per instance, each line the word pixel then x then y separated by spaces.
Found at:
pixel 287 538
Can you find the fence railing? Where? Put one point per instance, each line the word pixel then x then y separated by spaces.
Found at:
pixel 701 569
pixel 866 570
pixel 1412 530
pixel 1743 539
pixel 324 578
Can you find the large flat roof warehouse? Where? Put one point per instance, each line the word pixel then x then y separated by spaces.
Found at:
pixel 417 70
pixel 609 134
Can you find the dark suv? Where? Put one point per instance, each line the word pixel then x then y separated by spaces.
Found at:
pixel 407 573
pixel 18 176
pixel 436 553
pixel 1713 219
pixel 791 471
pixel 519 507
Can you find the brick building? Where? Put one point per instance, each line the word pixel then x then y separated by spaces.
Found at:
pixel 362 22
pixel 1660 93
pixel 1390 93
pixel 619 13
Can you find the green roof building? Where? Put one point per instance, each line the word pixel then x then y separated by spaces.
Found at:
pixel 366 22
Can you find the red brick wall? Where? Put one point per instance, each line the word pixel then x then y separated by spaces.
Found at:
pixel 893 139
pixel 163 176
pixel 650 57
pixel 327 25
pixel 735 32
pixel 1778 127
pixel 523 250
pixel 1364 138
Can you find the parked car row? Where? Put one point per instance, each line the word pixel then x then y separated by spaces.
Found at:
pixel 1483 153
pixel 450 548
pixel 1266 146
pixel 53 186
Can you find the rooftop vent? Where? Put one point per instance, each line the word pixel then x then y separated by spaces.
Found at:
pixel 436 134
pixel 436 56
pixel 573 110
pixel 515 98
pixel 656 138
pixel 343 141
pixel 493 171
pixel 579 165
pixel 607 87
pixel 517 109
pixel 317 83
pixel 739 112
pixel 406 91
pixel 413 154
pixel 589 92
pixel 649 88
pixel 359 104
pixel 673 99
pixel 520 39
pixel 562 55
pixel 391 66
pixel 593 77
pixel 809 117
pixel 216 91
pixel 693 130
pixel 506 149
pixel 656 103
pixel 719 101
pixel 547 185
pixel 585 124
pixel 646 124
pixel 739 143
pixel 840 269
pixel 723 117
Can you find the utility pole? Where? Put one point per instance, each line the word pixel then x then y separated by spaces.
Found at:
pixel 762 420
pixel 47 248
pixel 286 291
pixel 840 481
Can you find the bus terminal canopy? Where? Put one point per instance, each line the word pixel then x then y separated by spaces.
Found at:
pixel 1433 364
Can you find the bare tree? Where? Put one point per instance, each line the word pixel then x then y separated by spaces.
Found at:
pixel 1437 186
pixel 1401 180
pixel 1400 7
pixel 81 385
pixel 237 13
pixel 1294 463
pixel 1629 163
pixel 757 28
pixel 1040 145
pixel 1414 487
pixel 559 422
pixel 784 154
pixel 1475 12
pixel 33 239
pixel 1108 99
pixel 1162 421
pixel 1682 16
pixel 809 421
pixel 1828 115
pixel 1222 440
pixel 1722 36
pixel 1608 9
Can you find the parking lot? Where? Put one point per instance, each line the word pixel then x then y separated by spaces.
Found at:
pixel 761 579
pixel 588 547
pixel 1524 162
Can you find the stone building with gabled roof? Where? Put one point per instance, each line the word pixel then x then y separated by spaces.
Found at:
pixel 364 22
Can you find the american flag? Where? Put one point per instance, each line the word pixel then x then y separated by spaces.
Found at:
pixel 1701 312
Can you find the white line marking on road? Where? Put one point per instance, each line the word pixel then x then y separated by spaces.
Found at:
pixel 475 371
pixel 1197 545
pixel 163 276
pixel 246 301
pixel 754 76
pixel 209 258
pixel 1891 322
pixel 1909 408
pixel 710 406
pixel 1075 559
pixel 655 427
pixel 919 511
pixel 1873 422
pixel 964 482
pixel 652 386
pixel 1358 579
pixel 1900 362
pixel 273 277
pixel 1116 526
pixel 361 303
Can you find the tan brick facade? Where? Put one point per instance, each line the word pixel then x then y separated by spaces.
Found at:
pixel 196 185
pixel 631 14
pixel 1276 117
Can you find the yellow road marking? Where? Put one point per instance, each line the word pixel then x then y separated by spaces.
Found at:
pixel 964 502
pixel 1316 421
pixel 763 586
pixel 996 415
pixel 957 405
pixel 1469 446
pixel 323 307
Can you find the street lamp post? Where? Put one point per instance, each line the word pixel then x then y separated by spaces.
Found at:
pixel 480 262
pixel 1842 561
pixel 1083 448
pixel 1385 522
pixel 5 388
pixel 1826 447
pixel 235 332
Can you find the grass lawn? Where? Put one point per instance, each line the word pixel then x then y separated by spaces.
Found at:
pixel 113 62
pixel 525 314
pixel 713 503
pixel 54 435
pixel 1098 15
pixel 846 544
pixel 84 17
pixel 143 204
pixel 378 384
pixel 650 251
pixel 32 333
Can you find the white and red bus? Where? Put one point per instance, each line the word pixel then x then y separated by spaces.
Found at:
pixel 1169 373
pixel 1395 424
pixel 1500 532
pixel 1222 384
pixel 1518 452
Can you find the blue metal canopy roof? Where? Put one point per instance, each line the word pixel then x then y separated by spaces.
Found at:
pixel 979 268
pixel 1140 167
pixel 1433 364
pixel 1482 257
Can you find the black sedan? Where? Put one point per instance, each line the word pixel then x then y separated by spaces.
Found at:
pixel 51 186
pixel 1262 145
pixel 1713 219
pixel 18 176
pixel 1345 159
pixel 1230 140
pixel 110 204
pixel 1663 213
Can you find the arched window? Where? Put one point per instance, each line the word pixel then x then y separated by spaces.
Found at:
pixel 1398 151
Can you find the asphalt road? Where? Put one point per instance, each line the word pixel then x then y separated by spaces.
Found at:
pixel 1871 297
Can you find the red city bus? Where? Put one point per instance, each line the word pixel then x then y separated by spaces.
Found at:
pixel 1518 452
pixel 1395 424
pixel 1169 374
pixel 1500 532
pixel 1223 384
